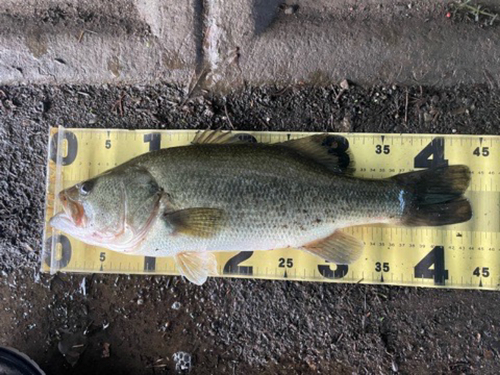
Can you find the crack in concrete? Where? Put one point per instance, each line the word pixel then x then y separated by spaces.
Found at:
pixel 212 39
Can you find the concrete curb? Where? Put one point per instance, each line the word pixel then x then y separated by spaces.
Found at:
pixel 223 45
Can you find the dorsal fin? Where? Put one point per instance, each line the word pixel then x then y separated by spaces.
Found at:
pixel 219 137
pixel 329 150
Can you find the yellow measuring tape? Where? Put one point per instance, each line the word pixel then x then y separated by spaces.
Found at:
pixel 457 256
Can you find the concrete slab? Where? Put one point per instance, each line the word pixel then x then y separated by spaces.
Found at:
pixel 98 41
pixel 229 43
pixel 365 41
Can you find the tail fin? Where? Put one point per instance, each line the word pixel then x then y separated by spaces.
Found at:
pixel 436 196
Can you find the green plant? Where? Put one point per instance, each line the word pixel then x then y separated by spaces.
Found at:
pixel 477 12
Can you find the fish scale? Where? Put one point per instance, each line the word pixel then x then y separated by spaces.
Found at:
pixel 401 256
pixel 283 200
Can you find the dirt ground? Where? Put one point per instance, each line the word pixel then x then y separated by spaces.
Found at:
pixel 136 324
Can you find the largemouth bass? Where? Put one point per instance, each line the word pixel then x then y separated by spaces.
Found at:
pixel 226 192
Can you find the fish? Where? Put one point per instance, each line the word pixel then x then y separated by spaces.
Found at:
pixel 227 192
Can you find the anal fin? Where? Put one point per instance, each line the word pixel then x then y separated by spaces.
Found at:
pixel 196 267
pixel 338 248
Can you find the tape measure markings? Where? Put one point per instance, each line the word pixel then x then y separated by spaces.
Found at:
pixel 470 256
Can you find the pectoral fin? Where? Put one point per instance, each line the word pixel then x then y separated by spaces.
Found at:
pixel 339 248
pixel 201 222
pixel 196 266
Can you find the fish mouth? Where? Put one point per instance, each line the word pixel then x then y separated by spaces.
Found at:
pixel 73 220
pixel 73 213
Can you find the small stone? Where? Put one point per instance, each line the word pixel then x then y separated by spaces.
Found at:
pixel 176 305
pixel 344 85
pixel 427 117
pixel 310 363
pixel 394 366
pixel 182 361
pixel 42 106
pixel 105 350
pixel 83 287
pixel 92 120
pixel 488 354
pixel 140 301
pixel 208 112
pixel 345 125
pixel 289 9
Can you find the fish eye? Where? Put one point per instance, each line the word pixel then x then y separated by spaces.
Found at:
pixel 86 187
